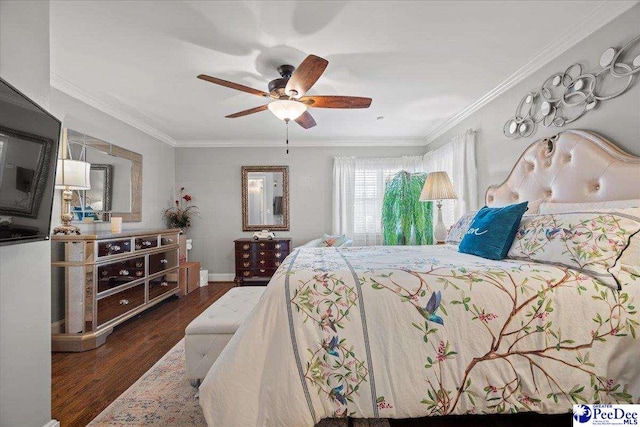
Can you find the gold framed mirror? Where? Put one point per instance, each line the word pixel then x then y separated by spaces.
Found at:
pixel 265 198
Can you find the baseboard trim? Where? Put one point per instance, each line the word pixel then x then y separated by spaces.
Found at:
pixel 227 277
pixel 52 423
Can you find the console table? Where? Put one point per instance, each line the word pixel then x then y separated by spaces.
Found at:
pixel 258 259
pixel 108 278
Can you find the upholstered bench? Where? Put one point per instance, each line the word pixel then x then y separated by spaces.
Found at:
pixel 208 334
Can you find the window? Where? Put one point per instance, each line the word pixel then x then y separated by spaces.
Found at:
pixel 370 180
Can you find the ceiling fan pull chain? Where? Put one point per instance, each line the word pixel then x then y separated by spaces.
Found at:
pixel 287 122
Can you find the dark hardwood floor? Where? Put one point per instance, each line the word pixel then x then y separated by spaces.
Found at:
pixel 83 384
pixel 510 420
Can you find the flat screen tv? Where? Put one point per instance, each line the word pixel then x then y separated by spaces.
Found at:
pixel 29 139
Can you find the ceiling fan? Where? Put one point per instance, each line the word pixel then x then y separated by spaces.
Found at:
pixel 287 93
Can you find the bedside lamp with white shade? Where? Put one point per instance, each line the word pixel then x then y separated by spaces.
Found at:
pixel 70 175
pixel 438 187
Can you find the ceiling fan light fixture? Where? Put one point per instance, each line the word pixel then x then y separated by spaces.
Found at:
pixel 286 109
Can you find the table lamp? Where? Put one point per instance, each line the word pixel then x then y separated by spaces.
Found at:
pixel 438 187
pixel 71 175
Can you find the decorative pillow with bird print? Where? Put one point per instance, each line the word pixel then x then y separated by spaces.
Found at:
pixel 590 242
pixel 328 240
pixel 460 228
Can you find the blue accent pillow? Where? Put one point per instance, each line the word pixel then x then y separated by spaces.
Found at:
pixel 492 231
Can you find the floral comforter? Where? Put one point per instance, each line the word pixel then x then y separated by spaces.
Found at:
pixel 412 331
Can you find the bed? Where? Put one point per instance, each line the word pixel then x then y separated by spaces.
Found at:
pixel 414 331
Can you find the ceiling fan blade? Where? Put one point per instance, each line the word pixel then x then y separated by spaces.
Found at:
pixel 305 76
pixel 306 120
pixel 233 85
pixel 247 112
pixel 336 101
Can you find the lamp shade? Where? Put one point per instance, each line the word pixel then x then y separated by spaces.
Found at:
pixel 287 110
pixel 73 175
pixel 437 186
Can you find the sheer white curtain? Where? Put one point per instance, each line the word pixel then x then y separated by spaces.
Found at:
pixel 358 191
pixel 458 159
pixel 344 175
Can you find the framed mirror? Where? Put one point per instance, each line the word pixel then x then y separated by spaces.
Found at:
pixel 116 180
pixel 265 198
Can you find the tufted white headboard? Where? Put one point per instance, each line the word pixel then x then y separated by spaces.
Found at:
pixel 573 166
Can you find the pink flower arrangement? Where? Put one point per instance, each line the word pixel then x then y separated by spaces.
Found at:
pixel 179 216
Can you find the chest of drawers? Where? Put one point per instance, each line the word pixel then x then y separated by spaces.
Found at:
pixel 101 280
pixel 257 260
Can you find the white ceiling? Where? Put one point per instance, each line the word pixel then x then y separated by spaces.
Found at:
pixel 421 62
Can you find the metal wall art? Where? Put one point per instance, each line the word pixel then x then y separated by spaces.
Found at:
pixel 565 97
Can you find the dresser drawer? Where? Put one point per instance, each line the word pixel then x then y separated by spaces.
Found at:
pixel 276 245
pixel 146 242
pixel 113 247
pixel 271 255
pixel 245 246
pixel 169 239
pixel 163 261
pixel 255 272
pixel 119 273
pixel 120 303
pixel 268 262
pixel 161 285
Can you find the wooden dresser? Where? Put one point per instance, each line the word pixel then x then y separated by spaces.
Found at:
pixel 257 260
pixel 108 278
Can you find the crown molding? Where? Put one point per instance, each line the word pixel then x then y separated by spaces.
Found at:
pixel 299 144
pixel 80 94
pixel 604 13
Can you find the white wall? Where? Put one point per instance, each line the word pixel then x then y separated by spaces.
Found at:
pixel 617 119
pixel 25 272
pixel 212 176
pixel 158 158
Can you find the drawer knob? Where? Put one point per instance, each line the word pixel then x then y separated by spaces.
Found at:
pixel 245 256
pixel 124 301
pixel 164 261
pixel 164 284
pixel 246 264
pixel 245 247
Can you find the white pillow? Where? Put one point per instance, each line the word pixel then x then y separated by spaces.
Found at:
pixel 551 208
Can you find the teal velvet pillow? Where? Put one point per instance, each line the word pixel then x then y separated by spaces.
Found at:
pixel 492 231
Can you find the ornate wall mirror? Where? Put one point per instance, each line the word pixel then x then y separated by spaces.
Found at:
pixel 265 198
pixel 116 180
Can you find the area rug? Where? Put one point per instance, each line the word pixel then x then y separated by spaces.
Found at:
pixel 163 397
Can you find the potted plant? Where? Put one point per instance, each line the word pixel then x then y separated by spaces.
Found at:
pixel 179 216
pixel 405 219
